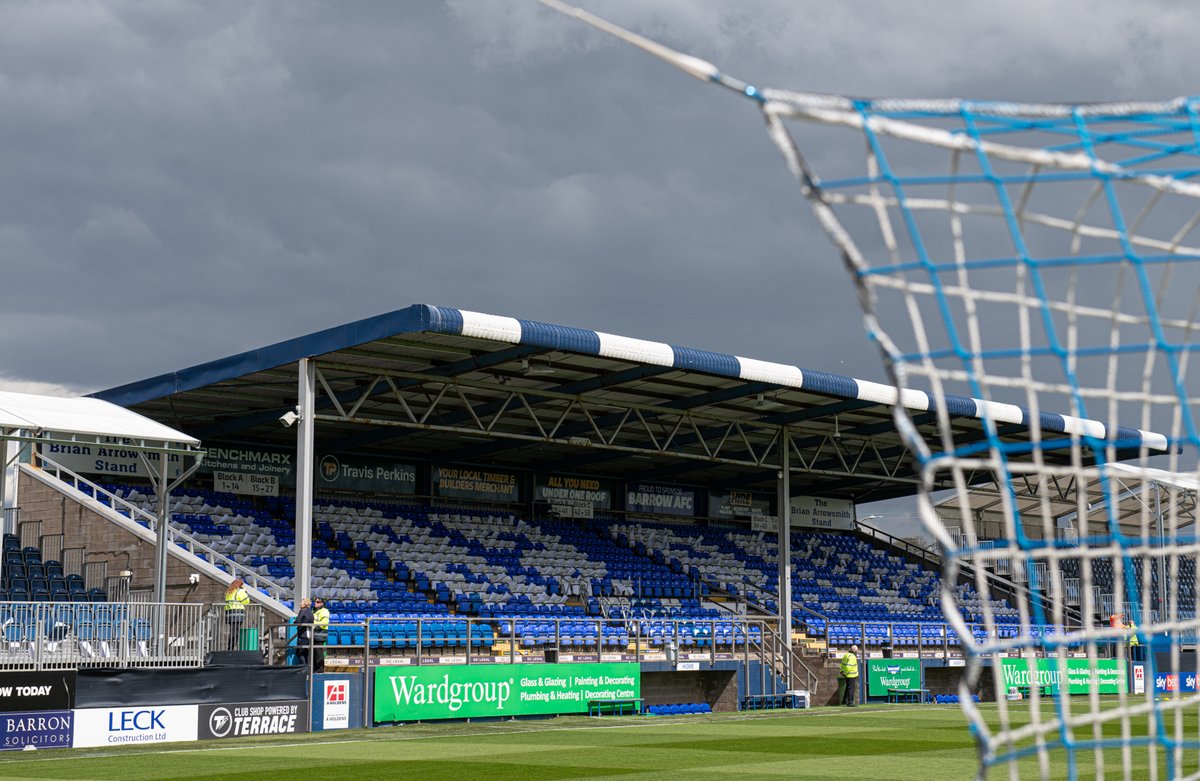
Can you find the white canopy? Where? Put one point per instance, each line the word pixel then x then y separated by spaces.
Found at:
pixel 91 417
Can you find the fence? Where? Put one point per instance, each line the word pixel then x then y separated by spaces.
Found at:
pixel 232 632
pixel 70 635
pixel 417 641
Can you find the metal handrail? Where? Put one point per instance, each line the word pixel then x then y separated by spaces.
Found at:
pixel 75 635
pixel 174 535
pixel 968 567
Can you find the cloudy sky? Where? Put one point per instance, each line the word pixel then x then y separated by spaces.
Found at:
pixel 184 180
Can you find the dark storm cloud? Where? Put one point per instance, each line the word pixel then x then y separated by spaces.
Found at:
pixel 181 181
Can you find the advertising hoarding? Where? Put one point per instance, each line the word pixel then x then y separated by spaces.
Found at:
pixel 899 674
pixel 482 691
pixel 37 691
pixel 480 485
pixel 239 719
pixel 660 499
pixel 39 729
pixel 141 724
pixel 1107 677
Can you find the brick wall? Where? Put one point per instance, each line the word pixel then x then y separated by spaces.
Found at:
pixel 716 687
pixel 104 540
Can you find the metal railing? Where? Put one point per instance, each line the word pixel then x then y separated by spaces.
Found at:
pixel 175 535
pixel 415 641
pixel 874 533
pixel 72 635
pixel 936 640
pixel 225 631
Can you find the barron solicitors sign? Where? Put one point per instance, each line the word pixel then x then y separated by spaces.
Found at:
pixel 482 691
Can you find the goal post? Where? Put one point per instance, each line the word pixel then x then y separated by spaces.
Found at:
pixel 1039 263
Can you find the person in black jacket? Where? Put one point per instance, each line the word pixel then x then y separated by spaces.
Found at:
pixel 304 630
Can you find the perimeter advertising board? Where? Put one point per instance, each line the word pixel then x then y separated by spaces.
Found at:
pixel 134 725
pixel 39 729
pixel 240 719
pixel 897 674
pixel 481 691
pixel 37 691
pixel 336 697
pixel 1107 677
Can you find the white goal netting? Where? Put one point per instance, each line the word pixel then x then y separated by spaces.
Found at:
pixel 1036 268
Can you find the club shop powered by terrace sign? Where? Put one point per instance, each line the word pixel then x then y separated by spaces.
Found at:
pixel 477 691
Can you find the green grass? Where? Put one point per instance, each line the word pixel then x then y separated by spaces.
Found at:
pixel 868 743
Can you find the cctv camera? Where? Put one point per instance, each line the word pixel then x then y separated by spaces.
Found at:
pixel 194 578
pixel 289 418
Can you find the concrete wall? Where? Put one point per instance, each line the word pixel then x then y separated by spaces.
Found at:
pixel 104 540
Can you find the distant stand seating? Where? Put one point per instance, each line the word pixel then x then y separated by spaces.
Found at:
pixel 398 559
pixel 26 577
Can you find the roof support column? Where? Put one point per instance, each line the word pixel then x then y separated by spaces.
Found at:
pixel 163 489
pixel 305 460
pixel 4 480
pixel 784 517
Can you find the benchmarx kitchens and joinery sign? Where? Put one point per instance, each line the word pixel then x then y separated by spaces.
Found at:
pixel 484 691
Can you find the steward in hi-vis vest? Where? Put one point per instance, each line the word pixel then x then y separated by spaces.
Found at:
pixel 850 676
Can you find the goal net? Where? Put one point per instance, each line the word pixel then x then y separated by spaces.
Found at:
pixel 1036 269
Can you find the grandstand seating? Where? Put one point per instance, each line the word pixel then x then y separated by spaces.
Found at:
pixel 26 577
pixel 552 583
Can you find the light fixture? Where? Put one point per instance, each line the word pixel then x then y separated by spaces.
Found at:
pixel 529 369
pixel 763 403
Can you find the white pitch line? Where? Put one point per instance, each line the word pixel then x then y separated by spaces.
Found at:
pixel 657 721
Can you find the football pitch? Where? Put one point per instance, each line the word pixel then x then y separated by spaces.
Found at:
pixel 871 742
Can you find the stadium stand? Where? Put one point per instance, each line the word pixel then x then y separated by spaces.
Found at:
pixel 547 582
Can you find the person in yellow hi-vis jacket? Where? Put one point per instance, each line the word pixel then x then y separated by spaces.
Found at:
pixel 320 634
pixel 1131 639
pixel 236 600
pixel 850 675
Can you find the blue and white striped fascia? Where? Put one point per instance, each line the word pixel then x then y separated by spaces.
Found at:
pixel 577 340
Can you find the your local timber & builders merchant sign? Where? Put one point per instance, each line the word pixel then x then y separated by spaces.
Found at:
pixel 481 691
pixel 481 485
pixel 1106 678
